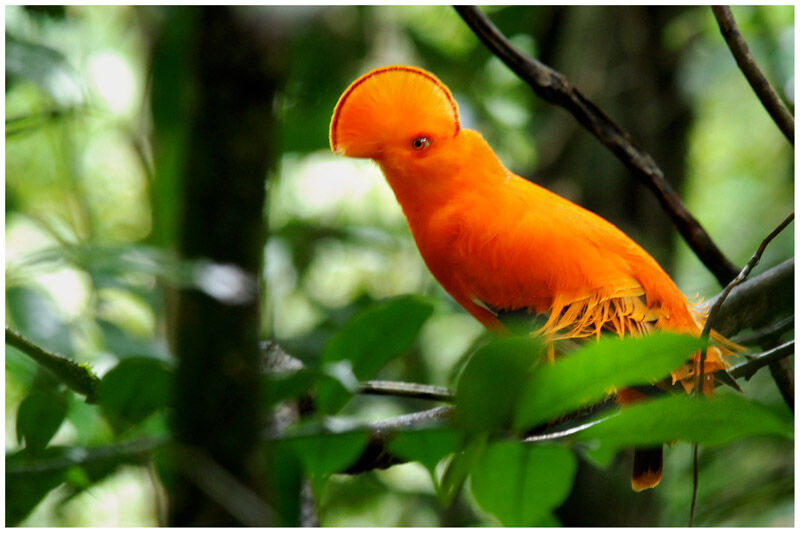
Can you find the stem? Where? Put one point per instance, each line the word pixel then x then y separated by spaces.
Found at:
pixel 403 389
pixel 695 469
pixel 755 77
pixel 77 377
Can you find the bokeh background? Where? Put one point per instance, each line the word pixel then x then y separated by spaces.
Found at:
pixel 84 270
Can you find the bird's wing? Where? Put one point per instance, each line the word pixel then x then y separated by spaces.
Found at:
pixel 540 255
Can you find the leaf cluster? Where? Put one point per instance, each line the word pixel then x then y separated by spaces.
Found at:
pixel 508 390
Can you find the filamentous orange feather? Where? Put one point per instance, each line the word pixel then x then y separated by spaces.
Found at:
pixel 497 242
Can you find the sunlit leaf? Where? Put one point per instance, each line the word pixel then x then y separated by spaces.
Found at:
pixel 134 389
pixel 371 339
pixel 428 446
pixel 717 420
pixel 591 373
pixel 491 382
pixel 39 416
pixel 520 484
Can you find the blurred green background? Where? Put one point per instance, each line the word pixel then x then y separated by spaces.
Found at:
pixel 86 250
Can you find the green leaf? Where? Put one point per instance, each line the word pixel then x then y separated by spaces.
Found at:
pixel 327 453
pixel 31 476
pixel 286 478
pixel 520 484
pixel 601 456
pixel 591 373
pixel 39 416
pixel 134 389
pixel 123 344
pixel 709 421
pixel 282 386
pixel 458 469
pixel 371 339
pixel 24 491
pixel 491 382
pixel 428 446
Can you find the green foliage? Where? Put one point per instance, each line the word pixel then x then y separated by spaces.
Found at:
pixel 368 341
pixel 710 421
pixel 24 490
pixel 589 374
pixel 521 484
pixel 490 385
pixel 286 474
pixel 427 446
pixel 284 386
pixel 459 467
pixel 92 190
pixel 29 477
pixel 134 389
pixel 39 416
pixel 324 454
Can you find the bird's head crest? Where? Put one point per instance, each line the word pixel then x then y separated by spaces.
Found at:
pixel 398 106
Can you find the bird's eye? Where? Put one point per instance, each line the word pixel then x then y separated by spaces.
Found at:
pixel 420 143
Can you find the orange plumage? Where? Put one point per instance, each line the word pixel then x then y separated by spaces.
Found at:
pixel 495 241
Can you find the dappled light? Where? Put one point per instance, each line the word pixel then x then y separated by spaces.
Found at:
pixel 214 320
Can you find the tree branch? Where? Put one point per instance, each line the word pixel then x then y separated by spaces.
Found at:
pixel 377 455
pixel 553 87
pixel 755 77
pixel 712 314
pixel 402 389
pixel 136 451
pixel 76 376
pixel 754 259
pixel 756 362
pixel 756 302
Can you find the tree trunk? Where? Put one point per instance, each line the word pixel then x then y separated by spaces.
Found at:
pixel 221 94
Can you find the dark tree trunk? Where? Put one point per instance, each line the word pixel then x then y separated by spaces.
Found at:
pixel 224 109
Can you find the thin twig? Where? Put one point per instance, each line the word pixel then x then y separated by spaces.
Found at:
pixel 131 451
pixel 554 87
pixel 756 257
pixel 782 372
pixel 699 384
pixel 776 329
pixel 77 377
pixel 747 64
pixel 746 370
pixel 695 469
pixel 403 389
pixel 712 313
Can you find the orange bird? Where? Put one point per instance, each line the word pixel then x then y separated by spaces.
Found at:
pixel 500 244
